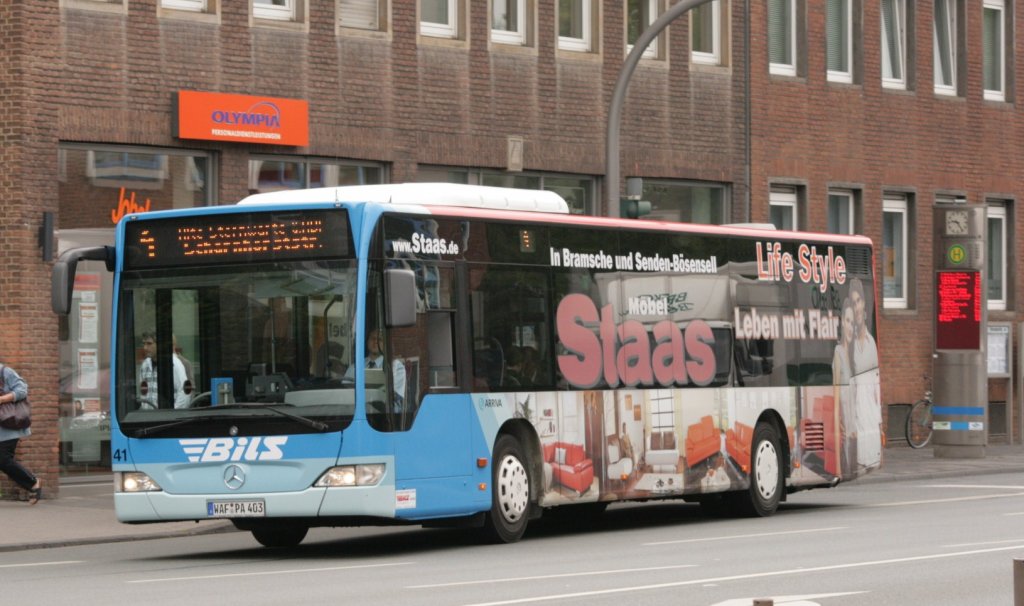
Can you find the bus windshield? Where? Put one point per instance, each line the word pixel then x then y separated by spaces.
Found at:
pixel 276 334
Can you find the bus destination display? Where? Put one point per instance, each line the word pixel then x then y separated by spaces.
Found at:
pixel 236 238
pixel 958 320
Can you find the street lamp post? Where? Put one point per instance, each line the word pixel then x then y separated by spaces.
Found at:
pixel 619 96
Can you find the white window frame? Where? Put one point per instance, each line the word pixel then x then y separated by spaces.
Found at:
pixel 273 12
pixel 347 9
pixel 509 36
pixel 896 204
pixel 450 29
pixel 844 75
pixel 784 199
pixel 584 44
pixel 715 56
pixel 196 6
pixel 992 94
pixel 997 212
pixel 949 25
pixel 651 51
pixel 784 69
pixel 849 211
pixel 900 60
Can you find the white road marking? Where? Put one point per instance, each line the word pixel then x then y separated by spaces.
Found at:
pixel 984 543
pixel 58 563
pixel 980 497
pixel 756 575
pixel 265 573
pixel 975 486
pixel 551 576
pixel 746 536
pixel 789 600
pixel 1016 513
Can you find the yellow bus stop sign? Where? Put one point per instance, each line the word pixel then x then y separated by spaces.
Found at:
pixel 957 254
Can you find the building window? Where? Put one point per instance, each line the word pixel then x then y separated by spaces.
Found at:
pixel 782 208
pixel 508 21
pixel 578 192
pixel 894 251
pixel 782 37
pixel 439 18
pixel 640 14
pixel 945 46
pixel 575 25
pixel 679 201
pixel 994 60
pixel 840 212
pixel 96 186
pixel 996 257
pixel 268 174
pixel 707 32
pixel 198 6
pixel 894 44
pixel 362 14
pixel 275 10
pixel 839 34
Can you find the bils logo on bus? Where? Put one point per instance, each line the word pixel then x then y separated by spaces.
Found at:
pixel 214 450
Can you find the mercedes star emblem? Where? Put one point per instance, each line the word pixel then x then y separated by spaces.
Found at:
pixel 234 477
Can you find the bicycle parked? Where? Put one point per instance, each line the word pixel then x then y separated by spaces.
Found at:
pixel 919 421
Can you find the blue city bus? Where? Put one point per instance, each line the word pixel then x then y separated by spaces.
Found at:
pixel 460 355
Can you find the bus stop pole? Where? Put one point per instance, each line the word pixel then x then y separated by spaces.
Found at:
pixel 611 173
pixel 1018 582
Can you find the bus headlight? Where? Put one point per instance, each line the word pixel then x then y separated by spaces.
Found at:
pixel 352 475
pixel 134 481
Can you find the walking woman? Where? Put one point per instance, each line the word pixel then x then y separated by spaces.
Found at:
pixel 13 389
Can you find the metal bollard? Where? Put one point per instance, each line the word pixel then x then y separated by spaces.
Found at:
pixel 1018 582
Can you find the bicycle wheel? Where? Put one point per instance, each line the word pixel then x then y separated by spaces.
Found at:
pixel 919 424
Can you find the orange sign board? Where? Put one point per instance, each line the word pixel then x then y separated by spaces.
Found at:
pixel 242 118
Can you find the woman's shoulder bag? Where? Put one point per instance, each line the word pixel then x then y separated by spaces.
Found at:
pixel 14 415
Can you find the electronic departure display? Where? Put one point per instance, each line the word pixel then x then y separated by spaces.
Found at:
pixel 958 319
pixel 237 238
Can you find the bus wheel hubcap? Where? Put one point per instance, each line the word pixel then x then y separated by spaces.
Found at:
pixel 767 469
pixel 513 489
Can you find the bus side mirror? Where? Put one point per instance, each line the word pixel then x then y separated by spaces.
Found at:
pixel 400 297
pixel 62 280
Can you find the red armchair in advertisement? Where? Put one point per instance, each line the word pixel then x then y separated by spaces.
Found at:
pixel 570 465
pixel 702 441
pixel 737 444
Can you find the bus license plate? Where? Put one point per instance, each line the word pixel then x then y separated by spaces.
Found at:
pixel 235 509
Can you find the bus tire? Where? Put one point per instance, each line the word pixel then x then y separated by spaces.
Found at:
pixel 279 536
pixel 510 492
pixel 766 474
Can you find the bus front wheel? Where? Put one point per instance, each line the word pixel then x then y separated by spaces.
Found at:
pixel 279 536
pixel 510 492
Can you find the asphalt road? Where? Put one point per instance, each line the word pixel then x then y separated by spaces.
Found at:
pixel 948 542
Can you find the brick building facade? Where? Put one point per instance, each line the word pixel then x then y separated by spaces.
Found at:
pixel 83 81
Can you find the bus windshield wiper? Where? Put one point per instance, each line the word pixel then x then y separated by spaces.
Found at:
pixel 317 425
pixel 155 429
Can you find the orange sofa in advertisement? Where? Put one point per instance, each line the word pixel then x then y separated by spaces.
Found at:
pixel 702 440
pixel 737 444
pixel 570 465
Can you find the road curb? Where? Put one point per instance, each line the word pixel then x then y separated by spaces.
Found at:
pixel 218 529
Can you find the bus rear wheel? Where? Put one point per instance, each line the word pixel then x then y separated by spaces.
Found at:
pixel 279 536
pixel 766 475
pixel 510 492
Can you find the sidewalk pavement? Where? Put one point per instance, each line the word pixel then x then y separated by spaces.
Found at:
pixel 83 513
